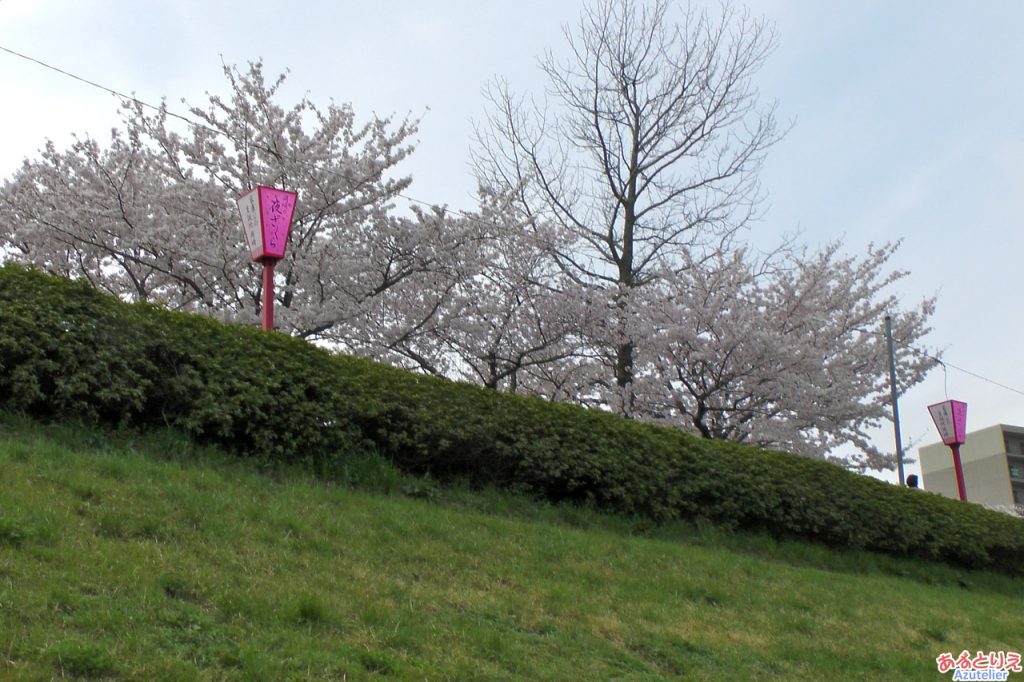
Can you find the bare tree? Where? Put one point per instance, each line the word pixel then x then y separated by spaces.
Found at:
pixel 647 146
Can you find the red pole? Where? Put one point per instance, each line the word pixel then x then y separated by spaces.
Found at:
pixel 268 293
pixel 960 488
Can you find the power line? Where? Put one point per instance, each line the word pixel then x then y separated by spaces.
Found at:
pixel 950 365
pixel 944 364
pixel 974 374
pixel 221 133
pixel 130 98
pixel 463 214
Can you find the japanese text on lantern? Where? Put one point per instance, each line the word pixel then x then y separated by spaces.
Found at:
pixel 249 208
pixel 276 217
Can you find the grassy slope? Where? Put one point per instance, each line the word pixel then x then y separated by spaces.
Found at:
pixel 144 559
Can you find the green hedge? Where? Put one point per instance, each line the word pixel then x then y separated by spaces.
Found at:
pixel 69 351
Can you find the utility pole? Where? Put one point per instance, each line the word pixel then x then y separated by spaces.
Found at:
pixel 895 401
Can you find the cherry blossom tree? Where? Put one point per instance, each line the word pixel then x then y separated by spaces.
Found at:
pixel 787 352
pixel 508 315
pixel 151 216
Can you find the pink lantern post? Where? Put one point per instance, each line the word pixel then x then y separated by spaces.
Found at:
pixel 950 419
pixel 267 222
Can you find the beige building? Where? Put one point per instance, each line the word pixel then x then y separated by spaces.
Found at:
pixel 993 463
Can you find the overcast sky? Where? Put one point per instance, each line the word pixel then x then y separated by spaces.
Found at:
pixel 908 123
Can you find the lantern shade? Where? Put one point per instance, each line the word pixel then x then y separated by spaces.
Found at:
pixel 267 221
pixel 950 419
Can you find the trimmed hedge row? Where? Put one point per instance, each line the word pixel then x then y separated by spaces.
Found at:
pixel 68 351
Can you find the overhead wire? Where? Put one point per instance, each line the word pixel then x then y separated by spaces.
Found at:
pixel 196 124
pixel 970 373
pixel 464 214
pixel 942 363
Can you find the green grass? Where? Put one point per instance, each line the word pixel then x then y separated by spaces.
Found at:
pixel 143 557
